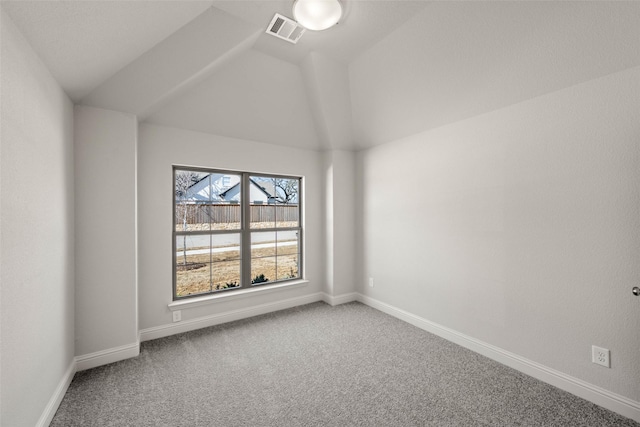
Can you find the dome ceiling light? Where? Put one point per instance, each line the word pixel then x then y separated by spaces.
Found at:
pixel 317 15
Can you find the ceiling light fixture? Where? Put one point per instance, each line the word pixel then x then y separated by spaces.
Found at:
pixel 317 15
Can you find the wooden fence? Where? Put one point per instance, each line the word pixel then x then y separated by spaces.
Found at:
pixel 205 213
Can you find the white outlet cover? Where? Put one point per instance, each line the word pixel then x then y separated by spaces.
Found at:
pixel 600 356
pixel 177 316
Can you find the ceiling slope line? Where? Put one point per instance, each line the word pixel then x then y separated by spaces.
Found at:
pixel 309 77
pixel 199 76
pixel 175 64
pixel 328 91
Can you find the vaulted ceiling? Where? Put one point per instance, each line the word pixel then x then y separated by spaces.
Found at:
pixel 388 70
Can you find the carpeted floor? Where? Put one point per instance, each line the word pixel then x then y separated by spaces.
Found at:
pixel 317 365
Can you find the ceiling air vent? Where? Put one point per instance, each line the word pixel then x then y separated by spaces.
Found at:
pixel 285 28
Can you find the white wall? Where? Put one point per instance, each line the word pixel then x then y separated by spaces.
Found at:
pixel 37 305
pixel 159 149
pixel 519 228
pixel 340 225
pixel 105 186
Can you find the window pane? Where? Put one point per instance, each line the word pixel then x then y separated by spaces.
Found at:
pixel 263 216
pixel 287 242
pixel 287 216
pixel 225 247
pixel 226 274
pixel 195 279
pixel 207 201
pixel 225 216
pixel 287 267
pixel 287 210
pixel 263 270
pixel 263 244
pixel 288 254
pixel 263 261
pixel 274 202
pixel 193 265
pixel 261 195
pixel 186 184
pixel 191 250
pixel 274 254
pixel 225 198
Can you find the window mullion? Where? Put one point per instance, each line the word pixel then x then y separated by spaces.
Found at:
pixel 245 193
pixel 211 266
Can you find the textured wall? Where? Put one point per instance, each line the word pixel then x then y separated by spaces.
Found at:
pixel 37 232
pixel 519 227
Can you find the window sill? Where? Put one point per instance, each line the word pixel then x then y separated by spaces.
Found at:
pixel 233 295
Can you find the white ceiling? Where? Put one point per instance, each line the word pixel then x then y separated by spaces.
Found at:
pixel 457 60
pixel 85 42
pixel 389 69
pixel 364 22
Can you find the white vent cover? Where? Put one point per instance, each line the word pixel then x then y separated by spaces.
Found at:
pixel 285 28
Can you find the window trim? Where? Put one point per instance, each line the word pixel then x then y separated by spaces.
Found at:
pixel 245 231
pixel 212 298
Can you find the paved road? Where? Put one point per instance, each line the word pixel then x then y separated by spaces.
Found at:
pixel 233 248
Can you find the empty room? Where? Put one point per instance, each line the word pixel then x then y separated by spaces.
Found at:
pixel 319 213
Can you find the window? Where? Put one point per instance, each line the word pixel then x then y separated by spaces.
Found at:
pixel 234 237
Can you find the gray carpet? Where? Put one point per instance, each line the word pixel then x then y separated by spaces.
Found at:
pixel 317 365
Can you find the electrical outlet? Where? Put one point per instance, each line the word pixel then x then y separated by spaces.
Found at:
pixel 371 282
pixel 600 356
pixel 177 316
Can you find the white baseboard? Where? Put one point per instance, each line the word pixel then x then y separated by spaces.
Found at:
pixel 339 299
pixel 602 397
pixel 104 357
pixel 229 316
pixel 54 402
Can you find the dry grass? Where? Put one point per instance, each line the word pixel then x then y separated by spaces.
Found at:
pixel 221 270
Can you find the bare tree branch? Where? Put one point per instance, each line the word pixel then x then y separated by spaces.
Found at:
pixel 288 190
